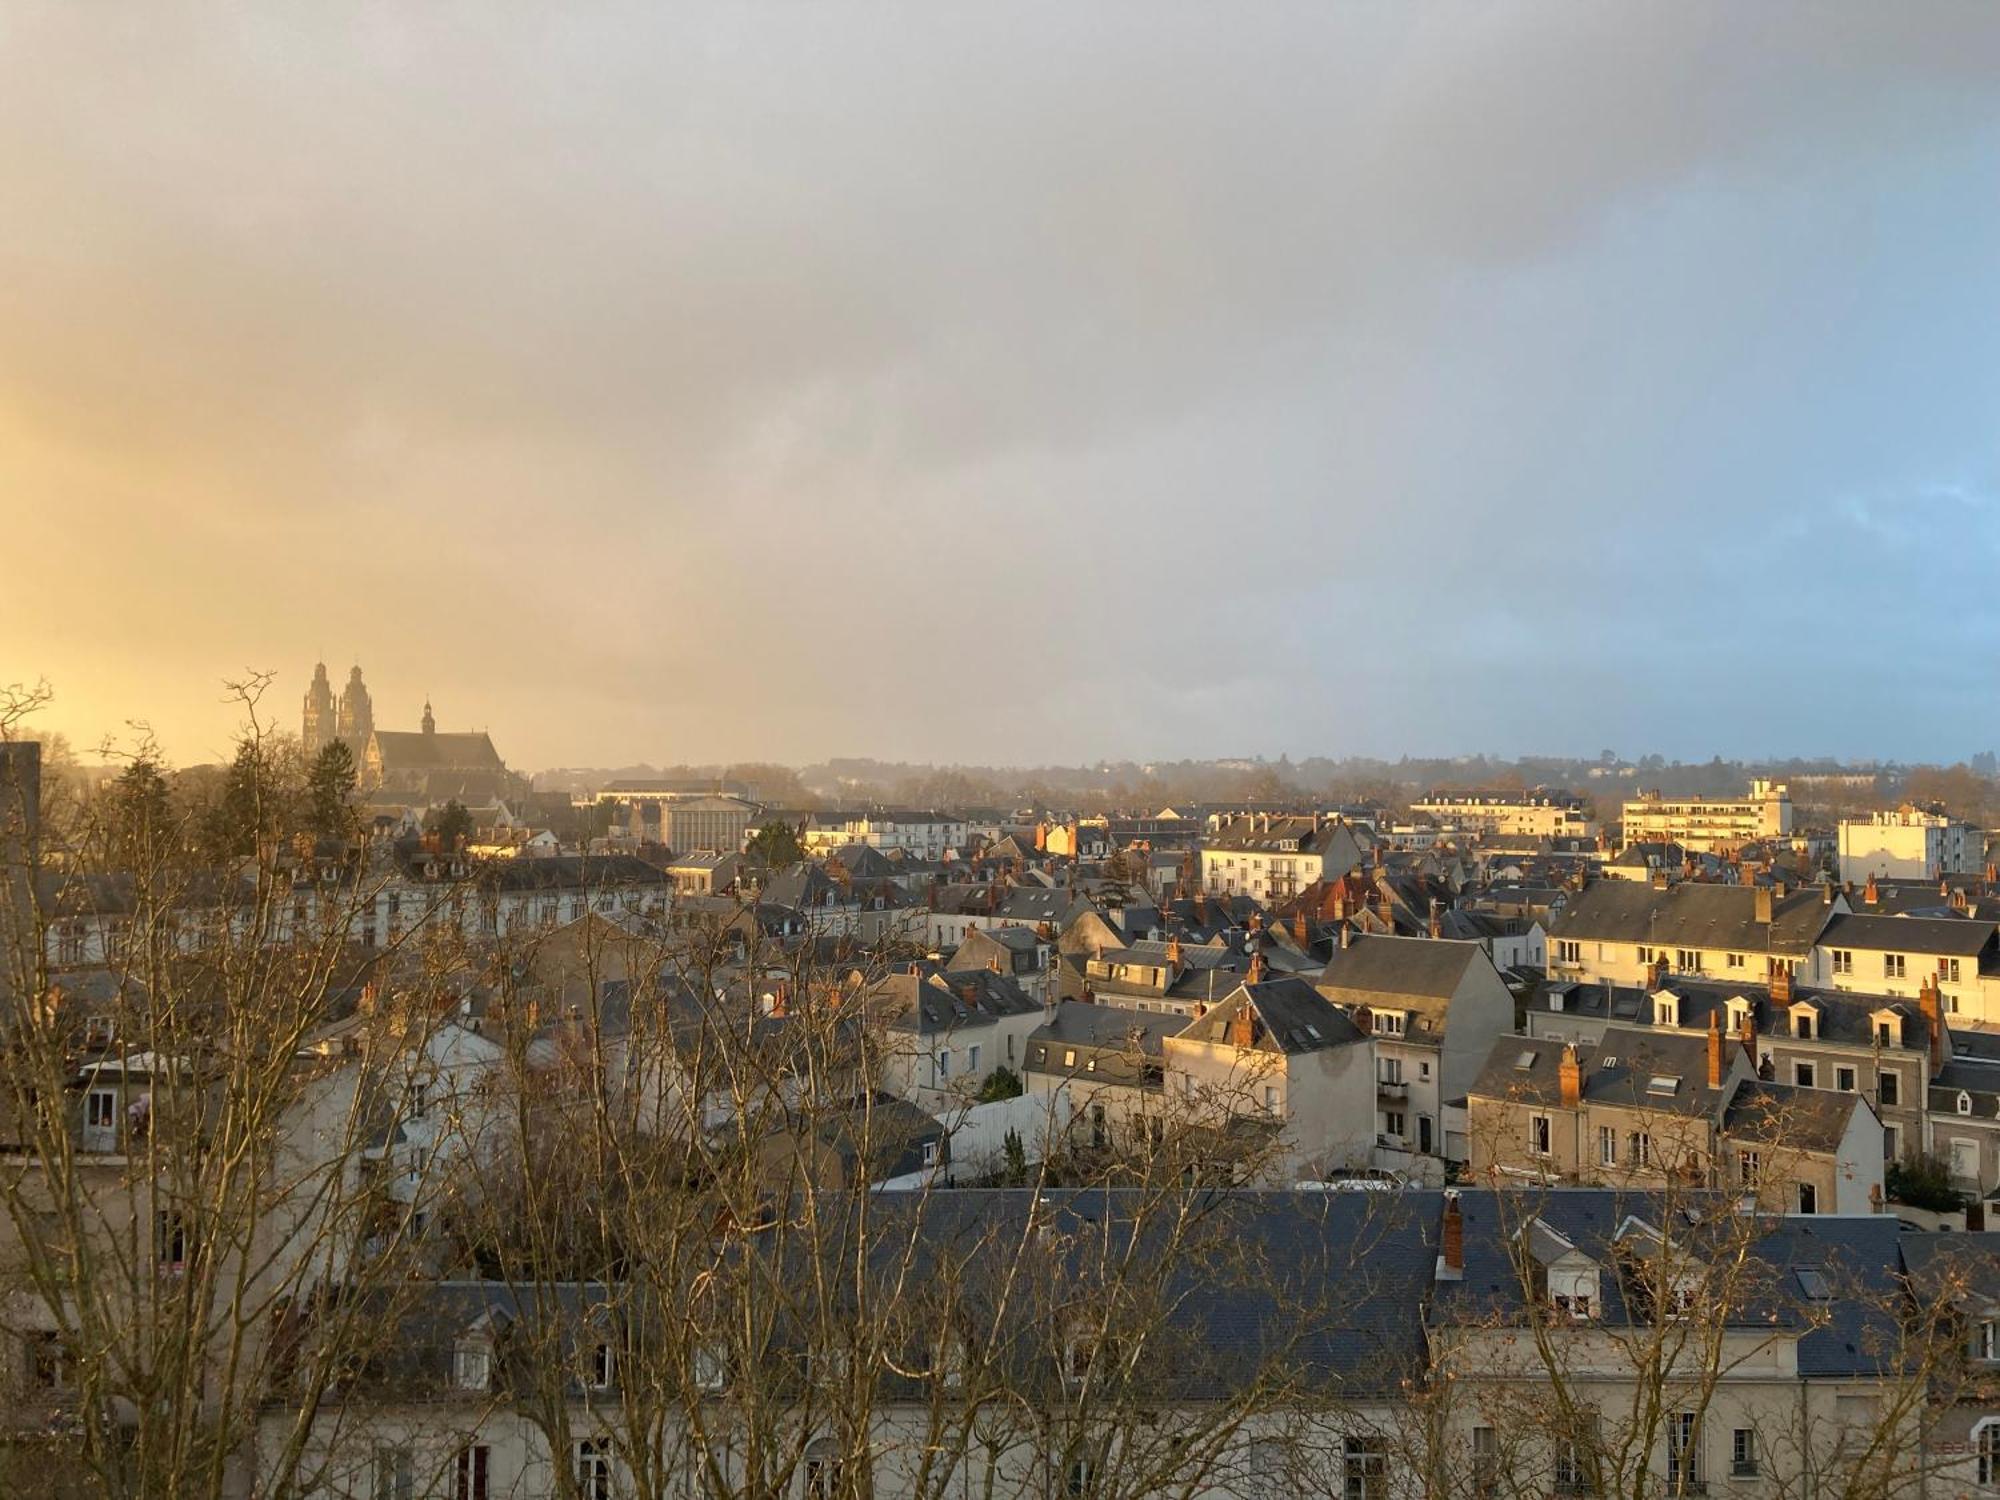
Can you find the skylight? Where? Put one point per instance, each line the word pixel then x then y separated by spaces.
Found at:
pixel 1662 1083
pixel 1524 1062
pixel 1813 1282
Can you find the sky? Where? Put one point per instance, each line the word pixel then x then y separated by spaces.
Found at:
pixel 1009 383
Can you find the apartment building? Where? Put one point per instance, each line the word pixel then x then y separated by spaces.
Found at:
pixel 1908 844
pixel 1270 857
pixel 1528 815
pixel 1705 824
pixel 1642 1108
pixel 1618 932
pixel 1434 1008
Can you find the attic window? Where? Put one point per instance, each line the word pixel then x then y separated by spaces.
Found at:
pixel 1607 1061
pixel 1524 1062
pixel 1813 1283
pixel 472 1366
pixel 1661 1083
pixel 1313 1032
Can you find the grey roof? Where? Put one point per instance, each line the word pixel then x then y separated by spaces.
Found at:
pixel 1694 915
pixel 1843 1016
pixel 1114 1044
pixel 1294 1016
pixel 961 998
pixel 1798 1119
pixel 1956 936
pixel 1619 1070
pixel 1376 967
pixel 1853 1332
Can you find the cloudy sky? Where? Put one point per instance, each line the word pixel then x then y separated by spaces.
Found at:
pixel 1010 382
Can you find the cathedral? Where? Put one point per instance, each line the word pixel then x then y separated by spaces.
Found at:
pixel 353 720
pixel 426 765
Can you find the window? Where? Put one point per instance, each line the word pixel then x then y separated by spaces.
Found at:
pixel 1888 1087
pixel 1569 951
pixel 98 1031
pixel 1639 1148
pixel 1749 1167
pixel 1733 961
pixel 1389 1022
pixel 1485 1461
pixel 475 1463
pixel 1843 961
pixel 1964 1102
pixel 395 1473
pixel 930 1154
pixel 823 1479
pixel 603 1366
pixel 472 1366
pixel 593 1470
pixel 1843 1079
pixel 49 1369
pixel 1687 960
pixel 972 1061
pixel 1989 1453
pixel 1364 1467
pixel 1607 1146
pixel 1808 1198
pixel 1986 1341
pixel 1894 966
pixel 1948 970
pixel 1069 1057
pixel 170 1239
pixel 1389 1070
pixel 1805 1074
pixel 1575 1457
pixel 415 1099
pixel 1393 1123
pixel 1081 1472
pixel 1892 1143
pixel 1802 1025
pixel 710 1368
pixel 1540 1135
pixel 1424 1071
pixel 1743 1453
pixel 1965 1160
pixel 944 1063
pixel 1683 1451
pixel 100 1109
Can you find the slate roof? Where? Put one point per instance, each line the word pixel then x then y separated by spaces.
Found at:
pixel 1693 915
pixel 1946 935
pixel 1617 1071
pixel 402 750
pixel 1411 973
pixel 1295 1017
pixel 1796 1118
pixel 1844 1016
pixel 955 1000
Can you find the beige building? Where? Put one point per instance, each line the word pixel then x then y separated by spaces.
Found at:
pixel 1643 1108
pixel 1704 824
pixel 1908 844
pixel 1269 857
pixel 1530 815
pixel 1623 932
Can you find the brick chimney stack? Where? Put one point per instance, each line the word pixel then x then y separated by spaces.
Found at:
pixel 1870 894
pixel 1715 1049
pixel 1931 1005
pixel 1437 922
pixel 1256 974
pixel 1763 905
pixel 1569 1073
pixel 1243 1028
pixel 1451 1240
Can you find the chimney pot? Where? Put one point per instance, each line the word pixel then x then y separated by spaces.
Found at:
pixel 1451 1239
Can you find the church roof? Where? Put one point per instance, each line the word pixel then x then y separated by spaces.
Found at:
pixel 403 751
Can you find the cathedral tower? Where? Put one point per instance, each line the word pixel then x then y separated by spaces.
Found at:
pixel 316 731
pixel 357 715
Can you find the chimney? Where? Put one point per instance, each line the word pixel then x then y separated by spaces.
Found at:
pixel 1715 1049
pixel 1256 975
pixel 1346 936
pixel 1569 1072
pixel 1870 894
pixel 1762 901
pixel 1300 931
pixel 1243 1028
pixel 1451 1240
pixel 1781 982
pixel 1437 922
pixel 1174 951
pixel 1928 1002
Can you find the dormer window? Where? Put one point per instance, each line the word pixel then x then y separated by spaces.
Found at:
pixel 472 1365
pixel 1667 1010
pixel 1964 1102
pixel 1390 1022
